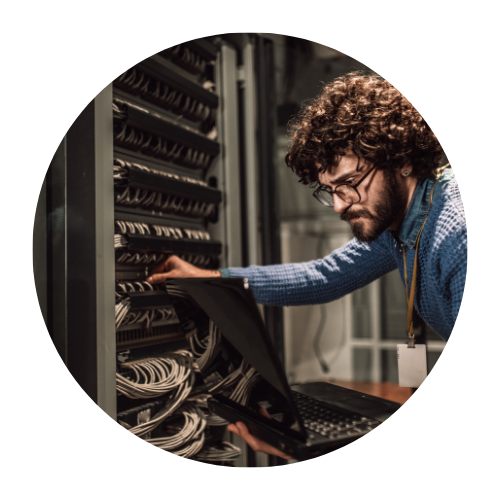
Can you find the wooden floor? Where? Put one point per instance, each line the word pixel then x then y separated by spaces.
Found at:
pixel 384 390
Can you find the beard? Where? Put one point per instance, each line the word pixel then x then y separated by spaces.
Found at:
pixel 386 211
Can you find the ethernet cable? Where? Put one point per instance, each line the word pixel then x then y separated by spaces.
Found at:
pixel 161 94
pixel 210 346
pixel 192 430
pixel 128 227
pixel 147 143
pixel 223 452
pixel 123 313
pixel 157 200
pixel 213 420
pixel 155 377
pixel 137 258
pixel 241 393
pixel 172 404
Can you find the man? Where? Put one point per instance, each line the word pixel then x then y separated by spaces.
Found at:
pixel 374 160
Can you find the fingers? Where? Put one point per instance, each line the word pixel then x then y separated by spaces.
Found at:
pixel 241 430
pixel 162 271
pixel 232 428
pixel 156 279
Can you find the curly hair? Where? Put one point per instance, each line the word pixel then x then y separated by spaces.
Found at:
pixel 365 115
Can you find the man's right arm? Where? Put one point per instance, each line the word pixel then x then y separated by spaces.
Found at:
pixel 346 269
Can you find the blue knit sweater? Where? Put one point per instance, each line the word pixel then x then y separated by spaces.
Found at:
pixel 442 261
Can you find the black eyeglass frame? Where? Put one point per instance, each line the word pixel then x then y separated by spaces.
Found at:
pixel 331 191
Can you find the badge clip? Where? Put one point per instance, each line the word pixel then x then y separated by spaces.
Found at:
pixel 411 341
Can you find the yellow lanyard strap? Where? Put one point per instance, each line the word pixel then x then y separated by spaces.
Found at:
pixel 410 297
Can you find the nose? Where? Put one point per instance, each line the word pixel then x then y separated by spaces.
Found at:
pixel 339 205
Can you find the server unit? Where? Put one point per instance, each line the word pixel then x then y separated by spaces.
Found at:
pixel 173 157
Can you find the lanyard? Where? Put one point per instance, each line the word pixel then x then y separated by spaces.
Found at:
pixel 410 297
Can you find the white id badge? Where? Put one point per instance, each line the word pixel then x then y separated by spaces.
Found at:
pixel 412 365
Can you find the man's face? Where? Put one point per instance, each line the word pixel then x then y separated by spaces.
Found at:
pixel 382 204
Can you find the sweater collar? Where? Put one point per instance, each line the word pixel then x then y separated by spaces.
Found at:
pixel 419 207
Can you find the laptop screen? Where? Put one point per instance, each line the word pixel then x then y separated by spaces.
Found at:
pixel 234 352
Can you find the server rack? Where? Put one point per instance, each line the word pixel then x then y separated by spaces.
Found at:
pixel 184 125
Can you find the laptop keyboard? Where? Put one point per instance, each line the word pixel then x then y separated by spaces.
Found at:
pixel 328 422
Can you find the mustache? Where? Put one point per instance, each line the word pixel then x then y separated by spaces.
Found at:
pixel 350 214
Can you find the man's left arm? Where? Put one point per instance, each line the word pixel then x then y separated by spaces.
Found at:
pixel 456 281
pixel 451 267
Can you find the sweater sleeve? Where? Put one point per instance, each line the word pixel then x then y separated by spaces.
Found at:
pixel 452 264
pixel 348 268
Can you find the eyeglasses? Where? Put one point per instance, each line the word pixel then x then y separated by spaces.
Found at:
pixel 348 193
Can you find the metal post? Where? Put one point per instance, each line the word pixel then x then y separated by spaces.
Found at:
pixel 56 211
pixel 40 251
pixel 91 347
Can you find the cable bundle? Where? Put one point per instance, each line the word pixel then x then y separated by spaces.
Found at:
pixel 155 200
pixel 224 452
pixel 184 439
pixel 172 404
pixel 119 112
pixel 209 345
pixel 121 172
pixel 137 258
pixel 133 286
pixel 212 419
pixel 120 242
pixel 159 147
pixel 128 227
pixel 123 315
pixel 186 58
pixel 153 145
pixel 242 379
pixel 164 203
pixel 136 82
pixel 153 377
pixel 241 393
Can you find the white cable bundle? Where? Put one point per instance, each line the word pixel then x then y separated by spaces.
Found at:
pixel 120 242
pixel 224 452
pixel 210 346
pixel 134 138
pixel 128 227
pixel 190 449
pixel 231 379
pixel 193 427
pixel 154 377
pixel 121 311
pixel 241 393
pixel 174 401
pixel 169 98
pixel 212 419
pixel 136 258
pixel 123 315
pixel 156 200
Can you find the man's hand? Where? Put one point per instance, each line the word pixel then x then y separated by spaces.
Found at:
pixel 174 267
pixel 241 430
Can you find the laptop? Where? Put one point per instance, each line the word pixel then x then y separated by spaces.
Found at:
pixel 246 380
